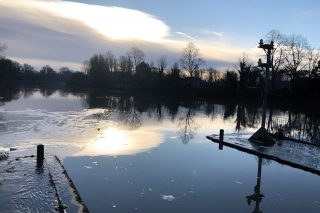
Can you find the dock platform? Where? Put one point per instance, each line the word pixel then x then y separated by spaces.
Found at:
pixel 298 154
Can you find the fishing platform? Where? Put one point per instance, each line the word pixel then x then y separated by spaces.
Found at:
pixel 294 153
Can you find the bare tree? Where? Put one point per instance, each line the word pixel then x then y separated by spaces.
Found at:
pixel 277 55
pixel 202 72
pixel 296 56
pixel 136 55
pixel 153 67
pixel 28 68
pixel 312 63
pixel 86 66
pixel 210 74
pixel 3 47
pixel 110 59
pixel 244 69
pixel 175 69
pixel 213 74
pixel 191 59
pixel 122 63
pixel 162 64
pixel 125 64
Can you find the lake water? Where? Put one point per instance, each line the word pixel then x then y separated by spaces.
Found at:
pixel 146 154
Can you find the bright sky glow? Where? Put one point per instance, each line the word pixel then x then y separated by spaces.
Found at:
pixel 65 33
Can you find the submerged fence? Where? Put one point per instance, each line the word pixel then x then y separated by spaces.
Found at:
pixel 305 131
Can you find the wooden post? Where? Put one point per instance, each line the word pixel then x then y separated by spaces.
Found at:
pixel 221 134
pixel 221 139
pixel 40 155
pixel 40 152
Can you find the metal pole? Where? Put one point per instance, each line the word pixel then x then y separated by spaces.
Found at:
pixel 265 92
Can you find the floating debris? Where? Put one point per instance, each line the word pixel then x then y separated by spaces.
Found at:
pixel 167 197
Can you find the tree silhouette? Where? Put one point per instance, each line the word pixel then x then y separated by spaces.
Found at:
pixel 244 69
pixel 136 55
pixel 162 65
pixel 191 59
pixel 143 73
pixel 3 47
pixel 277 55
pixel 295 59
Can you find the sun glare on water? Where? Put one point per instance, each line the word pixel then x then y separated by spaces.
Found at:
pixel 114 141
pixel 111 140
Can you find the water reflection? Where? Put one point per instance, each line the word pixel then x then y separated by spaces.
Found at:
pixel 116 141
pixel 257 195
pixel 187 125
pixel 133 111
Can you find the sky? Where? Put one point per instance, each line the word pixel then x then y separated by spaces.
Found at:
pixel 66 33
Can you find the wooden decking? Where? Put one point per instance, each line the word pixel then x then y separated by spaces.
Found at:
pixel 302 155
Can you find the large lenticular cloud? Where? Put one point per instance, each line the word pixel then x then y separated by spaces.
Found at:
pixel 112 22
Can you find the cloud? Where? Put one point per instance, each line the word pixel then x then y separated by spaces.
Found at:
pixel 216 33
pixel 72 32
pixel 61 33
pixel 184 34
pixel 112 22
pixel 211 32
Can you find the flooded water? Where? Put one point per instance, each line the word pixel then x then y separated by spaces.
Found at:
pixel 146 154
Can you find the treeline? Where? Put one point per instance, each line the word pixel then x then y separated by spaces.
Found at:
pixel 295 70
pixel 129 71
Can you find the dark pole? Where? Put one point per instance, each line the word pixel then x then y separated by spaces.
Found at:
pixel 266 88
pixel 262 136
pixel 257 190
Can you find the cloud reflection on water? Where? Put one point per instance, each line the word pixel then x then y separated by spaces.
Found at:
pixel 113 141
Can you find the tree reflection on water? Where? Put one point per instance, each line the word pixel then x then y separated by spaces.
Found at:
pixel 132 109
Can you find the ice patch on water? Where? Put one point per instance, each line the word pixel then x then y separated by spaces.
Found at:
pixel 64 129
pixel 173 137
pixel 167 197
